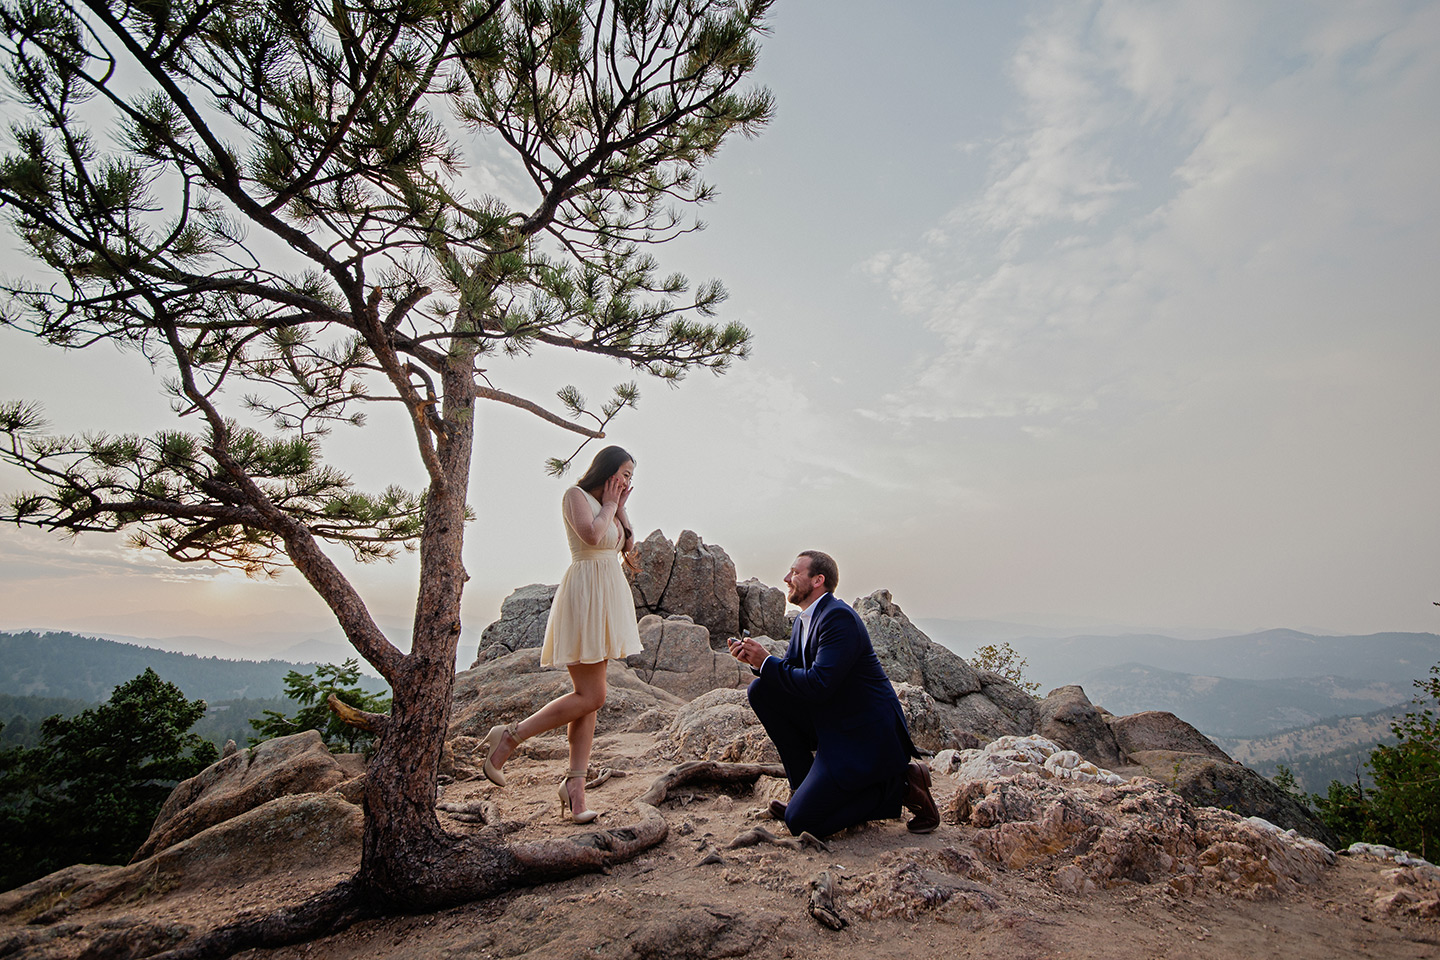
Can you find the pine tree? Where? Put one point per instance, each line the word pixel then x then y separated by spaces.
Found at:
pixel 270 201
pixel 313 692
pixel 91 789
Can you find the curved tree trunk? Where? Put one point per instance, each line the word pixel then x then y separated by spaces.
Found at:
pixel 408 861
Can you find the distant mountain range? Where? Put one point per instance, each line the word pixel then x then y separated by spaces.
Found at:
pixel 1225 707
pixel 70 666
pixel 1268 655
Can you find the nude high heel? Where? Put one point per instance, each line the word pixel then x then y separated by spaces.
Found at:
pixel 490 744
pixel 589 815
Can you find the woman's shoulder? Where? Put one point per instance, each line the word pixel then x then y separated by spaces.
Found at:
pixel 575 494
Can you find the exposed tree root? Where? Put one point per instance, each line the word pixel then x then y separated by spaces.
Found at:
pixel 325 913
pixel 713 770
pixel 822 905
pixel 567 856
pixel 461 869
pixel 475 811
pixel 758 835
pixel 466 869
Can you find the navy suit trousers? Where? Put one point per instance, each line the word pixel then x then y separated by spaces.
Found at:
pixel 820 802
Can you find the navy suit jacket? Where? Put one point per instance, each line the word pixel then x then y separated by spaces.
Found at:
pixel 860 729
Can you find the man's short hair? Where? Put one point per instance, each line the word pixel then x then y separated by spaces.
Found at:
pixel 823 565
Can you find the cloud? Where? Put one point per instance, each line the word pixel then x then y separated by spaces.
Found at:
pixel 31 556
pixel 1191 192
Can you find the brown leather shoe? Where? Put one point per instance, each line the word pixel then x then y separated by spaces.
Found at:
pixel 919 801
pixel 777 810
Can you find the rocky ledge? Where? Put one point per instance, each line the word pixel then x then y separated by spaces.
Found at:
pixel 1054 791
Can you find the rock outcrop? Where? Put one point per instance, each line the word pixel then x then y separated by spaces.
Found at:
pixel 1212 782
pixel 513 686
pixel 1158 730
pixel 688 577
pixel 718 725
pixel 523 616
pixel 689 587
pixel 963 702
pixel 762 610
pixel 911 657
pixel 677 657
pixel 1091 836
pixel 296 764
pixel 1068 717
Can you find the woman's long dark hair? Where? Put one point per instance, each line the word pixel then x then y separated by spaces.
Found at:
pixel 606 464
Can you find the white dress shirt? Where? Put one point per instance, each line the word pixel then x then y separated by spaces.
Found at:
pixel 806 616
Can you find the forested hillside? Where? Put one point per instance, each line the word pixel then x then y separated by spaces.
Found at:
pixel 69 666
pixel 1334 749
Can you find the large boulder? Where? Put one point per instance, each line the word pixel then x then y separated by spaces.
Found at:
pixel 978 715
pixel 909 656
pixel 246 779
pixel 689 577
pixel 718 725
pixel 1159 730
pixel 305 838
pixel 512 687
pixel 762 610
pixel 1067 717
pixel 1087 836
pixel 655 556
pixel 677 657
pixel 523 616
pixel 1015 703
pixel 965 703
pixel 1211 782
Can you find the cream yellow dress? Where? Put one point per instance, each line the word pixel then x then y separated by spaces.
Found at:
pixel 593 615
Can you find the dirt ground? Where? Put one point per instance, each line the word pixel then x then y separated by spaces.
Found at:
pixel 753 901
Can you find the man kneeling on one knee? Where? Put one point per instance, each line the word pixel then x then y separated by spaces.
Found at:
pixel 833 716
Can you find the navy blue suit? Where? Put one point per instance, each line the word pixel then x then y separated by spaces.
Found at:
pixel 837 724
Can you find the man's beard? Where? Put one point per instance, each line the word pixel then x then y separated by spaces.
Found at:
pixel 798 600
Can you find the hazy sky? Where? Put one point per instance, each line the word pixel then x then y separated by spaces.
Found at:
pixel 1077 312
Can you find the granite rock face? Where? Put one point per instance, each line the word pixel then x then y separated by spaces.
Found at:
pixel 677 657
pixel 1158 730
pixel 718 725
pixel 762 610
pixel 296 764
pixel 1068 717
pixel 911 657
pixel 688 577
pixel 1211 782
pixel 523 616
pixel 512 687
pixel 1089 836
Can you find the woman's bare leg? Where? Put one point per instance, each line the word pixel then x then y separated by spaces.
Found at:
pixel 581 735
pixel 587 697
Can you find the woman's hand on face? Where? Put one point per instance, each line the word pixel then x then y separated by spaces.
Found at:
pixel 614 491
pixel 625 495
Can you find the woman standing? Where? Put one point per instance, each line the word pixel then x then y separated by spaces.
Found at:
pixel 592 621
